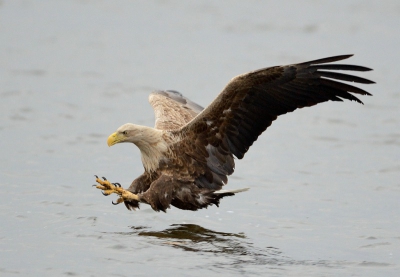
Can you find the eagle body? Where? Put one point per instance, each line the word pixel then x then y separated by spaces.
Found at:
pixel 189 154
pixel 177 178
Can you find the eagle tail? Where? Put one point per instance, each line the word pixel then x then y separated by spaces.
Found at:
pixel 226 192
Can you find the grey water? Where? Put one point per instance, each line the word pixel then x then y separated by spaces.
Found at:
pixel 324 196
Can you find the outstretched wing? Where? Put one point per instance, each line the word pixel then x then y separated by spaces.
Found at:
pixel 172 110
pixel 249 104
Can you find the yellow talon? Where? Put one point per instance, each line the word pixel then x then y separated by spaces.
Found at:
pixel 109 188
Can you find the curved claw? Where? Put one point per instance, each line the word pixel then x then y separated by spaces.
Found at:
pixel 117 184
pixel 114 203
pixel 94 185
pixel 104 178
pixel 104 194
pixel 97 177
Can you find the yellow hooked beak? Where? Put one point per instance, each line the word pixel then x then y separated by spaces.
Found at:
pixel 114 138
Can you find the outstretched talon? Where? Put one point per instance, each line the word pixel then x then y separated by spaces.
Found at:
pixel 119 201
pixel 108 188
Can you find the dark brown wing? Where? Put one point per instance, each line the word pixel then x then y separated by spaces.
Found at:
pixel 249 104
pixel 172 110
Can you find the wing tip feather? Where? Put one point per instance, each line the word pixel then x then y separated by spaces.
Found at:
pixel 328 59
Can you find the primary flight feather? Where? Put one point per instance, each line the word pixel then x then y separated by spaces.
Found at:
pixel 190 152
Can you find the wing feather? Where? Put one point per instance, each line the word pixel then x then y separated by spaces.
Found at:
pixel 172 110
pixel 251 102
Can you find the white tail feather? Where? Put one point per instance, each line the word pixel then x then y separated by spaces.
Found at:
pixel 230 191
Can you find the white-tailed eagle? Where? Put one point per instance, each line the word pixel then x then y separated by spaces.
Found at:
pixel 189 154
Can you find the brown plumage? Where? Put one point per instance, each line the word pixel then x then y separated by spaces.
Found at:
pixel 190 152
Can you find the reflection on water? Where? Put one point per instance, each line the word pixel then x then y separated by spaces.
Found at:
pixel 194 238
pixel 237 250
pixel 191 237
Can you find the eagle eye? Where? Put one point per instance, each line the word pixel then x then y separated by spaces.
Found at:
pixel 125 132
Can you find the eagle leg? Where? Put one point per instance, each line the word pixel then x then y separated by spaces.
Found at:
pixel 108 188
